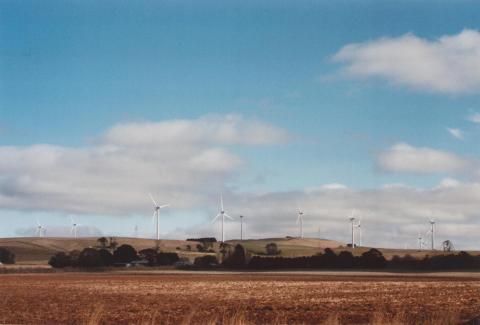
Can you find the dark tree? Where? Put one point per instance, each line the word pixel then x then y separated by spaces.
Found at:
pixel 90 257
pixel 106 257
pixel 6 256
pixel 201 248
pixel 373 259
pixel 167 258
pixel 150 255
pixel 102 242
pixel 113 244
pixel 345 260
pixel 125 254
pixel 206 260
pixel 272 249
pixel 60 260
pixel 74 256
pixel 237 259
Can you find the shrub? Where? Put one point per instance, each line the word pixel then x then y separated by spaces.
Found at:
pixel 201 248
pixel 237 259
pixel 90 257
pixel 272 249
pixel 106 256
pixel 60 260
pixel 150 255
pixel 125 254
pixel 6 256
pixel 167 258
pixel 206 260
pixel 373 259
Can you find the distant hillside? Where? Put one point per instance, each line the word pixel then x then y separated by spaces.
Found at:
pixel 34 250
pixel 289 246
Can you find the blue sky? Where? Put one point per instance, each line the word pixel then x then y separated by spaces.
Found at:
pixel 71 70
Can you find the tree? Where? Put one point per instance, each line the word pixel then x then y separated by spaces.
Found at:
pixel 206 260
pixel 373 259
pixel 106 257
pixel 102 242
pixel 150 255
pixel 60 260
pixel 125 254
pixel 90 257
pixel 167 258
pixel 113 244
pixel 6 256
pixel 345 260
pixel 272 249
pixel 237 259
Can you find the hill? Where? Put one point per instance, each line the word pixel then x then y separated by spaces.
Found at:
pixel 37 251
pixel 289 246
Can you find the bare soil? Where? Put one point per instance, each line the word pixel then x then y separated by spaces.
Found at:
pixel 294 298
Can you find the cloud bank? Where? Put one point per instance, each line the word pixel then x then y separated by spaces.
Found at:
pixel 179 161
pixel 405 158
pixel 449 64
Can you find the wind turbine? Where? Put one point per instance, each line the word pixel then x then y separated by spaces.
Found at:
pixel 73 230
pixel 222 214
pixel 432 233
pixel 420 241
pixel 352 221
pixel 40 229
pixel 241 227
pixel 300 222
pixel 156 213
pixel 359 226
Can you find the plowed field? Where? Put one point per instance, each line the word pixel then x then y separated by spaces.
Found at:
pixel 78 298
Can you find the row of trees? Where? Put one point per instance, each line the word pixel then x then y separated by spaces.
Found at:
pixel 102 257
pixel 372 259
pixel 6 256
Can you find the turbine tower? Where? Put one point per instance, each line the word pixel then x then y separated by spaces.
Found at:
pixel 156 214
pixel 352 221
pixel 432 233
pixel 359 226
pixel 222 214
pixel 300 222
pixel 420 241
pixel 39 232
pixel 73 230
pixel 241 227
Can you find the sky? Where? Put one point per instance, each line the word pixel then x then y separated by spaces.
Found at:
pixel 334 108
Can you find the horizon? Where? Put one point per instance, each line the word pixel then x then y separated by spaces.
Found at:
pixel 369 107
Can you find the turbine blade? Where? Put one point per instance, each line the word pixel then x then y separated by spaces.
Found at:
pixel 226 215
pixel 216 217
pixel 221 202
pixel 153 200
pixel 164 206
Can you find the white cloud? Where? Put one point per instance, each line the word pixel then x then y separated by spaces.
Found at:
pixel 449 64
pixel 405 158
pixel 475 118
pixel 180 161
pixel 391 216
pixel 456 133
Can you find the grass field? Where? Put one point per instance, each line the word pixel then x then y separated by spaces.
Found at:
pixel 248 298
pixel 37 251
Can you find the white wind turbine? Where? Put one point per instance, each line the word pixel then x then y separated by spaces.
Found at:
pixel 222 214
pixel 39 232
pixel 352 221
pixel 432 233
pixel 300 222
pixel 73 230
pixel 359 226
pixel 156 213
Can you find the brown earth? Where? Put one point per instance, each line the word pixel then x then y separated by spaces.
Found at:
pixel 72 298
